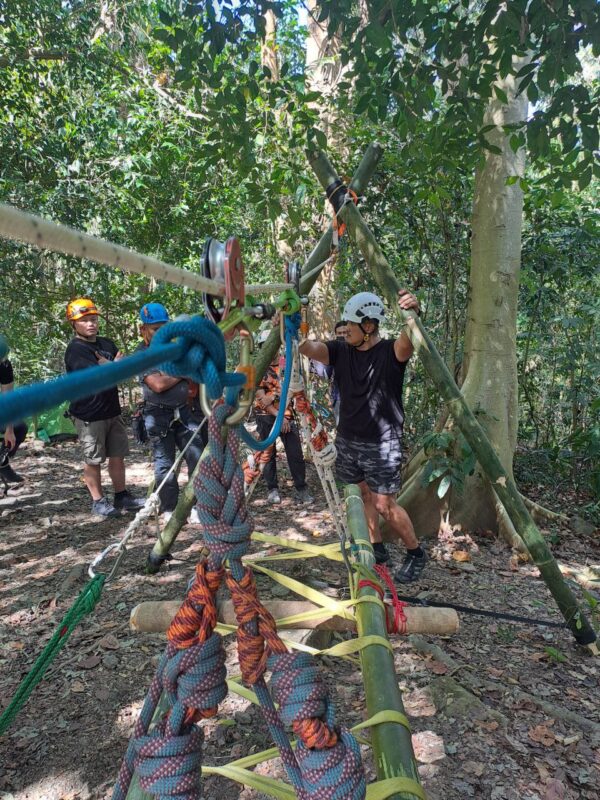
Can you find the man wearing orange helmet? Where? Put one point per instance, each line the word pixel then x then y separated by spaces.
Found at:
pixel 98 420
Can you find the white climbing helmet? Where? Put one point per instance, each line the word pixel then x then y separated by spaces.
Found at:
pixel 364 305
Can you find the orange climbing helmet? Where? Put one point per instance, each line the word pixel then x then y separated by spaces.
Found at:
pixel 81 307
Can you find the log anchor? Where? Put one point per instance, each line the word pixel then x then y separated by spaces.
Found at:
pixel 155 616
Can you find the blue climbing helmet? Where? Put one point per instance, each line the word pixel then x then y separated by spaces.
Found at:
pixel 153 313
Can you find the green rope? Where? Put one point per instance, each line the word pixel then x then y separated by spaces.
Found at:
pixel 85 604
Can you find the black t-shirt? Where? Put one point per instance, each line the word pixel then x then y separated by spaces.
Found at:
pixel 6 373
pixel 370 386
pixel 81 354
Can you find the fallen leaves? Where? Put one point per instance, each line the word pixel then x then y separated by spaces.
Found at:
pixel 89 663
pixel 428 747
pixel 542 734
pixel 461 555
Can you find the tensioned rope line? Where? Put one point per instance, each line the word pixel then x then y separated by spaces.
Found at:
pixel 86 602
pixel 39 232
pixel 149 508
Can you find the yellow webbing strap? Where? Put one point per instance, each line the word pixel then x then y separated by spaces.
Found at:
pixel 300 549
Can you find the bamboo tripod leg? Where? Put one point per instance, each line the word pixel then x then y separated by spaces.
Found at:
pixel 391 741
pixel 502 483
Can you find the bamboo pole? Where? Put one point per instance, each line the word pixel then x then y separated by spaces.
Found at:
pixel 391 741
pixel 318 257
pixel 155 616
pixel 500 480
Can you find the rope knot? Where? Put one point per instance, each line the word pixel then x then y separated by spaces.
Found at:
pixel 257 630
pixel 203 358
pixel 333 774
pixel 197 616
pixel 303 698
pixel 169 767
pixel 195 679
pixel 219 488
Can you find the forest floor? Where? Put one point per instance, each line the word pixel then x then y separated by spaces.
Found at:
pixel 476 733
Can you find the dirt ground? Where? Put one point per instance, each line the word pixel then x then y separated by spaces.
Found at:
pixel 476 733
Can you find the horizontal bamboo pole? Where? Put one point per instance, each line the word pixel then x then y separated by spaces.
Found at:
pixel 155 616
pixel 391 741
pixel 500 480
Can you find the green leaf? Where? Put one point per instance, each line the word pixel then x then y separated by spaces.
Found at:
pixel 501 94
pixel 511 180
pixel 444 486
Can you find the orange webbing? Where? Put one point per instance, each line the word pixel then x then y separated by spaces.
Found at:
pixel 260 457
pixel 253 648
pixel 338 226
pixel 315 733
pixel 197 617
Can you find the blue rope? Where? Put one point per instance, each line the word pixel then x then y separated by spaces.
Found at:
pixel 198 353
pixel 292 323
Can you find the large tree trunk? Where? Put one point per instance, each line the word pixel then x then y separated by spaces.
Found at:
pixel 490 359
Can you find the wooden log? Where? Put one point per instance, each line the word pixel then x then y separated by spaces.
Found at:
pixel 154 616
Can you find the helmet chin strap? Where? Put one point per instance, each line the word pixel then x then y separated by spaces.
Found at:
pixel 366 337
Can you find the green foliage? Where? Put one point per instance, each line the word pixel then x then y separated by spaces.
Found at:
pixel 155 124
pixel 449 460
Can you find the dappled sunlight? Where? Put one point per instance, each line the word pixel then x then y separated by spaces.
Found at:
pixel 66 785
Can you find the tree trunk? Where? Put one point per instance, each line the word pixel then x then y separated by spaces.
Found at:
pixel 490 360
pixel 323 71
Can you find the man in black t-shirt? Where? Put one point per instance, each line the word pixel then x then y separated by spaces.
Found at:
pixel 12 436
pixel 98 420
pixel 369 372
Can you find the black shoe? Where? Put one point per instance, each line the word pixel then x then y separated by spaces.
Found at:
pixel 128 502
pixel 9 475
pixel 411 568
pixel 102 508
pixel 303 496
pixel 381 553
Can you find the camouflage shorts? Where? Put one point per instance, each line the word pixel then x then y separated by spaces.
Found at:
pixel 376 463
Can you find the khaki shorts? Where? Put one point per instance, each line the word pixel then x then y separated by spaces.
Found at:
pixel 102 439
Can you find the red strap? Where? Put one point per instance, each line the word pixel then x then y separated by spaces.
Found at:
pixel 399 623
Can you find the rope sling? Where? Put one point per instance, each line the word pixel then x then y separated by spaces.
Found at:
pixel 326 763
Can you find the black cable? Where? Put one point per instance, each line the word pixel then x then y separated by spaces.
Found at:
pixel 548 623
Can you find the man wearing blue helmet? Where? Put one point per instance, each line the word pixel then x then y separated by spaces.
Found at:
pixel 369 372
pixel 171 413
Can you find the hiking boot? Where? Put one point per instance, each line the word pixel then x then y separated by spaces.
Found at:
pixel 102 508
pixel 303 496
pixel 194 517
pixel 128 502
pixel 381 553
pixel 411 568
pixel 273 497
pixel 9 475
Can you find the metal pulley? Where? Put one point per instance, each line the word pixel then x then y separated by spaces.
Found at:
pixel 223 263
pixel 293 272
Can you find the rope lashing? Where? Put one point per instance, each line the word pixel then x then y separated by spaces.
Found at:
pixel 399 622
pixel 338 195
pixel 192 673
pixel 292 326
pixel 83 605
pixel 198 353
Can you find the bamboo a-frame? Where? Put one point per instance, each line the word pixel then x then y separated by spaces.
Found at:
pixel 437 370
